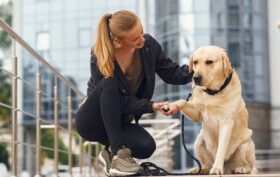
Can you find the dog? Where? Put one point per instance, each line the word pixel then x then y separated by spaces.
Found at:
pixel 224 144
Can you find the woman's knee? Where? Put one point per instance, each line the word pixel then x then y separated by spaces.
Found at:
pixel 146 148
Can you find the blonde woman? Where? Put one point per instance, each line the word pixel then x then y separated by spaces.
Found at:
pixel 124 62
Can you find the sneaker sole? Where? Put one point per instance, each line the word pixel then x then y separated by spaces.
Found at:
pixel 100 158
pixel 115 172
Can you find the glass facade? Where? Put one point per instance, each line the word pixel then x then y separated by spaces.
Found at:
pixel 239 26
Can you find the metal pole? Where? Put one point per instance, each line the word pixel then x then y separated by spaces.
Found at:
pixel 56 109
pixel 70 132
pixel 38 124
pixel 96 152
pixel 14 119
pixel 81 157
pixel 89 157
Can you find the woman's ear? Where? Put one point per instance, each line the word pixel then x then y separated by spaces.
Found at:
pixel 227 65
pixel 191 65
pixel 117 43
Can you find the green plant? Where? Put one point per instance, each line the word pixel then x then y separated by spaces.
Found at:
pixel 4 155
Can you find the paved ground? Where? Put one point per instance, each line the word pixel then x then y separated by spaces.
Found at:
pixel 259 175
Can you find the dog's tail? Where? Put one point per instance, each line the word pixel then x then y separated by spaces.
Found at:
pixel 254 170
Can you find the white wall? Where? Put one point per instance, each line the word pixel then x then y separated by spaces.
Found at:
pixel 274 59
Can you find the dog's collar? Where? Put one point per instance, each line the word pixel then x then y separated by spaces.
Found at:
pixel 213 92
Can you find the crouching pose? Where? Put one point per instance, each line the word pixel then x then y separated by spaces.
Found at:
pixel 123 65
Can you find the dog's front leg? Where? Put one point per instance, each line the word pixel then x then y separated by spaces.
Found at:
pixel 189 109
pixel 224 138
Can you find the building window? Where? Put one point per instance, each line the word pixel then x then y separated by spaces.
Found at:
pixel 233 13
pixel 233 52
pixel 43 41
pixel 84 37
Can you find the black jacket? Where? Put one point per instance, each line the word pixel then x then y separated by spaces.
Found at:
pixel 154 61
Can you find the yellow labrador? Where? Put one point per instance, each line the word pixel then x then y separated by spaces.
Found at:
pixel 224 144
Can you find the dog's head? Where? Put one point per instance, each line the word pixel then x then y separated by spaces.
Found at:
pixel 211 66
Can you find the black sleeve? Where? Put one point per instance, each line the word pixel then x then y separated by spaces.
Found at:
pixel 169 71
pixel 129 104
pixel 134 105
pixel 96 75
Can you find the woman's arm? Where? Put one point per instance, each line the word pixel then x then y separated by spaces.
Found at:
pixel 96 75
pixel 169 71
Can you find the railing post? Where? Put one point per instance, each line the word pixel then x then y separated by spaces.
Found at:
pixel 38 124
pixel 14 119
pixel 81 157
pixel 89 157
pixel 56 109
pixel 70 132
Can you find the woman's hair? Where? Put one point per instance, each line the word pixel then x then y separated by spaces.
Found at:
pixel 109 27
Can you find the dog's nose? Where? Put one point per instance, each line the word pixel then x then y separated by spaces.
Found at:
pixel 197 79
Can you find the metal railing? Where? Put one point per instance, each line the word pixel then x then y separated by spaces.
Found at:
pixel 41 123
pixel 268 160
pixel 163 135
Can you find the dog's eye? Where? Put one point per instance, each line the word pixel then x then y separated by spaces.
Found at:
pixel 209 62
pixel 195 62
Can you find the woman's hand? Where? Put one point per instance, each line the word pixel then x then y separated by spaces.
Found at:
pixel 157 106
pixel 169 109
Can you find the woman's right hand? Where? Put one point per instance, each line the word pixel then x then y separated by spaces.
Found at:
pixel 158 107
pixel 166 108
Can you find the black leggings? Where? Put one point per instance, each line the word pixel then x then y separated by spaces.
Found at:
pixel 100 119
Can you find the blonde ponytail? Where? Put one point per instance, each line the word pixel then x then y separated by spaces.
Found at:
pixel 111 26
pixel 103 48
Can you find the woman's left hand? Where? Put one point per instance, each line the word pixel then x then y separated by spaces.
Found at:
pixel 170 109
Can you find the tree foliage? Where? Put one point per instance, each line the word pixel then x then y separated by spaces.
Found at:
pixel 5 43
pixel 5 97
pixel 47 140
pixel 6 15
pixel 4 155
pixel 5 87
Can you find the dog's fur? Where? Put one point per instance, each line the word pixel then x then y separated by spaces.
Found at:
pixel 224 144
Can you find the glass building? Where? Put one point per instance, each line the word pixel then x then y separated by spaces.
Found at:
pixel 239 26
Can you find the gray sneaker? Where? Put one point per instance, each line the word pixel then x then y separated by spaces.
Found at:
pixel 105 159
pixel 124 164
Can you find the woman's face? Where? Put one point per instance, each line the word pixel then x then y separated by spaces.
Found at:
pixel 134 38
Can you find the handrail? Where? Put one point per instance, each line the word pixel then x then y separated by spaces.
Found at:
pixel 39 121
pixel 37 56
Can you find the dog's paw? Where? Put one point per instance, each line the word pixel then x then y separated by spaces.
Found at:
pixel 242 170
pixel 202 172
pixel 216 171
pixel 166 108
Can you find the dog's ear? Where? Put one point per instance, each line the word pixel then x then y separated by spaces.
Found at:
pixel 227 65
pixel 191 65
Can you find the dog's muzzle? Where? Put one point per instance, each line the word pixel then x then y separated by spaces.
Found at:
pixel 197 79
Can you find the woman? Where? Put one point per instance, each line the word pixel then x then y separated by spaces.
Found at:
pixel 123 65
